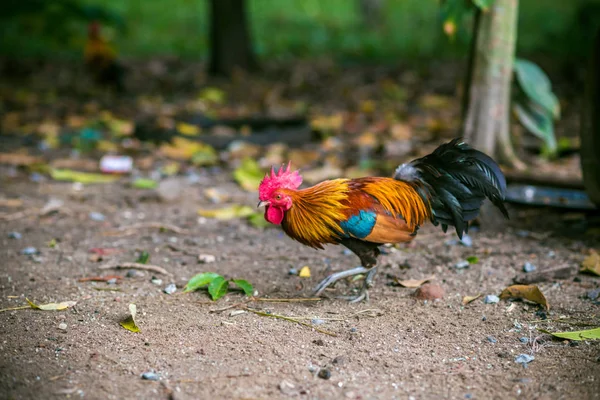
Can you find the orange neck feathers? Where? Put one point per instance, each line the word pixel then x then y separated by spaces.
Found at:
pixel 316 212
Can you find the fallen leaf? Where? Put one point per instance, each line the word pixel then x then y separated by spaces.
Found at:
pixel 143 258
pixel 588 334
pixel 528 292
pixel 19 159
pixel 467 299
pixel 105 251
pixel 217 288
pixel 591 264
pixel 413 283
pixel 227 213
pixel 185 149
pixel 473 259
pixel 144 183
pixel 188 129
pixel 245 286
pixel 212 95
pixel 258 220
pixel 81 177
pixel 105 278
pixel 304 272
pixel 129 322
pixel 248 175
pixel 199 281
pixel 52 306
pixel 11 203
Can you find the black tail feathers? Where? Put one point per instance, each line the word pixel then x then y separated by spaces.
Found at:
pixel 455 180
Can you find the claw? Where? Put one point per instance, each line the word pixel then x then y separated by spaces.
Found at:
pixel 362 295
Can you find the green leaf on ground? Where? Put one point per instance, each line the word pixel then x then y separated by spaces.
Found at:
pixel 248 175
pixel 199 281
pixel 245 286
pixel 226 213
pixel 258 220
pixel 81 177
pixel 588 334
pixel 217 288
pixel 143 258
pixel 473 259
pixel 129 322
pixel 51 306
pixel 144 183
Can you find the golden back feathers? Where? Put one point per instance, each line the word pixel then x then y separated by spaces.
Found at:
pixel 315 216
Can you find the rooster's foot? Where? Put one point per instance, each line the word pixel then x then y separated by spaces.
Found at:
pixel 362 295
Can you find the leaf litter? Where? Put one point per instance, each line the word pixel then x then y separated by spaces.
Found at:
pixel 527 292
pixel 129 322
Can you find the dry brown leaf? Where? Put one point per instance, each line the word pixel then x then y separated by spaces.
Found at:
pixel 413 283
pixel 467 299
pixel 19 159
pixel 528 292
pixel 591 264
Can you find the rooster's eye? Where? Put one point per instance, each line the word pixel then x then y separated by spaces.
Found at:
pixel 278 197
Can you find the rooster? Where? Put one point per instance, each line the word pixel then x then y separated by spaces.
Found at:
pixel 101 60
pixel 446 187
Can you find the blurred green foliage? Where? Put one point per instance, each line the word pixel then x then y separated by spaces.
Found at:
pixel 409 29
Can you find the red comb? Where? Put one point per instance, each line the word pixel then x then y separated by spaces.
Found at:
pixel 283 178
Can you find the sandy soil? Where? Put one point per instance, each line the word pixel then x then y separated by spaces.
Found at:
pixel 392 347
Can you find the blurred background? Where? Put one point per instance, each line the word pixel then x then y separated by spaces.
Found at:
pixel 148 90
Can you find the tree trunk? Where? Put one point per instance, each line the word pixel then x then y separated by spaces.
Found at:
pixel 486 126
pixel 590 127
pixel 230 41
pixel 371 12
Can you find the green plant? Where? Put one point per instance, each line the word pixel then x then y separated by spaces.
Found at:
pixel 217 285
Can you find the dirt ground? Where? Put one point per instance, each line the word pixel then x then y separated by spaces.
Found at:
pixel 393 347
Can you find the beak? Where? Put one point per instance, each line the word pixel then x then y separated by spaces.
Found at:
pixel 262 204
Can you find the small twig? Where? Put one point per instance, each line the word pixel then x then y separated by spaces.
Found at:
pixel 133 265
pixel 108 289
pixel 131 229
pixel 14 308
pixel 218 310
pixel 18 214
pixel 296 300
pixel 290 319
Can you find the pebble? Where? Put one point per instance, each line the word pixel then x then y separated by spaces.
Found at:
pixel 429 291
pixel 287 388
pixel 96 216
pixel 353 330
pixel 170 289
pixel 542 315
pixel 529 267
pixel 293 271
pixel 14 235
pixel 112 281
pixel 593 294
pixel 324 373
pixel 524 339
pixel 524 359
pixel 317 321
pixel 491 299
pixel 62 326
pixel 150 376
pixel 29 251
pixel 171 189
pixel 461 264
pixel 491 339
pixel 206 258
pixel 156 281
pixel 133 273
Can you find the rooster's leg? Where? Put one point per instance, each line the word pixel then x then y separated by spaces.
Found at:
pixel 367 252
pixel 333 278
pixel 364 290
